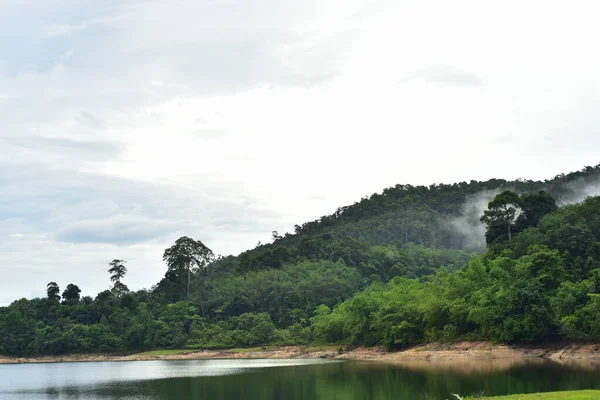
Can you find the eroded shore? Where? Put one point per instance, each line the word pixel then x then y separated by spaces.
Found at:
pixel 440 354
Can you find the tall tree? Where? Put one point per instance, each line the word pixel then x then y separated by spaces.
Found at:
pixel 276 236
pixel 53 291
pixel 71 294
pixel 501 215
pixel 536 205
pixel 117 271
pixel 187 254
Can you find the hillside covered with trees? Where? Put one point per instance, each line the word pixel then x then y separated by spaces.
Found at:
pixel 510 261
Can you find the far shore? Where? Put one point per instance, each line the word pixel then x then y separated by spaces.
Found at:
pixel 462 355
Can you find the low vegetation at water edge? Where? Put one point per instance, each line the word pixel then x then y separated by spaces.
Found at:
pixel 574 395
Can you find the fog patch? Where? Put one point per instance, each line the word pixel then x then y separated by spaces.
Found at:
pixel 578 190
pixel 467 225
pixel 471 230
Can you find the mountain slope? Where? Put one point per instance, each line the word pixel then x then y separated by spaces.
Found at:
pixel 391 269
pixel 436 216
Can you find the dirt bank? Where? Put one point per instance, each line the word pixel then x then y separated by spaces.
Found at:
pixel 436 353
pixel 283 352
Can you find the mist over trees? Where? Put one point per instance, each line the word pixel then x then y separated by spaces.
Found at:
pixel 542 285
pixel 396 268
pixel 508 214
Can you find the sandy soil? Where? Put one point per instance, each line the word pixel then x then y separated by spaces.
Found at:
pixel 465 355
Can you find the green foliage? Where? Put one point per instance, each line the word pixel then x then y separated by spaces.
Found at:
pixel 117 271
pixel 501 215
pixel 535 206
pixel 247 330
pixel 71 294
pixel 387 270
pixel 508 214
pixel 545 285
pixel 571 395
pixel 183 258
pixel 288 295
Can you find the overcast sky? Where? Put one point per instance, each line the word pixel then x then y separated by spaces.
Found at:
pixel 126 124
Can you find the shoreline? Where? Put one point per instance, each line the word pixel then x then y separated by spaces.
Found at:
pixel 434 353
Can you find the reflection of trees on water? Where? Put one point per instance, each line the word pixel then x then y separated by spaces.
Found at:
pixel 376 381
pixel 349 381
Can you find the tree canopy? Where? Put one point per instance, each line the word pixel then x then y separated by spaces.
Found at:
pixel 53 291
pixel 508 214
pixel 185 257
pixel 117 272
pixel 71 293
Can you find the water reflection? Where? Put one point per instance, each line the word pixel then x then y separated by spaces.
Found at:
pixel 288 380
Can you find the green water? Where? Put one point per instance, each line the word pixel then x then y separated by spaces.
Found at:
pixel 280 379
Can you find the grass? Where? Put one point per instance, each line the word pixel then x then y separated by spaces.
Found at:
pixel 168 352
pixel 311 349
pixel 165 352
pixel 250 349
pixel 574 395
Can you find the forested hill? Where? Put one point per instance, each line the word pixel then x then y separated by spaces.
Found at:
pixel 436 216
pixel 394 269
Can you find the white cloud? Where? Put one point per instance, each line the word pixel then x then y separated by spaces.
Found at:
pixel 445 75
pixel 62 30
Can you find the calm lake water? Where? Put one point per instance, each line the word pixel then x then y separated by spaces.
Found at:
pixel 283 379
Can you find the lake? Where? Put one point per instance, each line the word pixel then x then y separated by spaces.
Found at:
pixel 285 380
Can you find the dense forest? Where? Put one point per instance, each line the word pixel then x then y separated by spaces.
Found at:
pixel 509 261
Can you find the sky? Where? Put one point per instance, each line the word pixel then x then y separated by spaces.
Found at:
pixel 127 124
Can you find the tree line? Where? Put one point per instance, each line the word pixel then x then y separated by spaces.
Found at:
pixel 198 305
pixel 536 281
